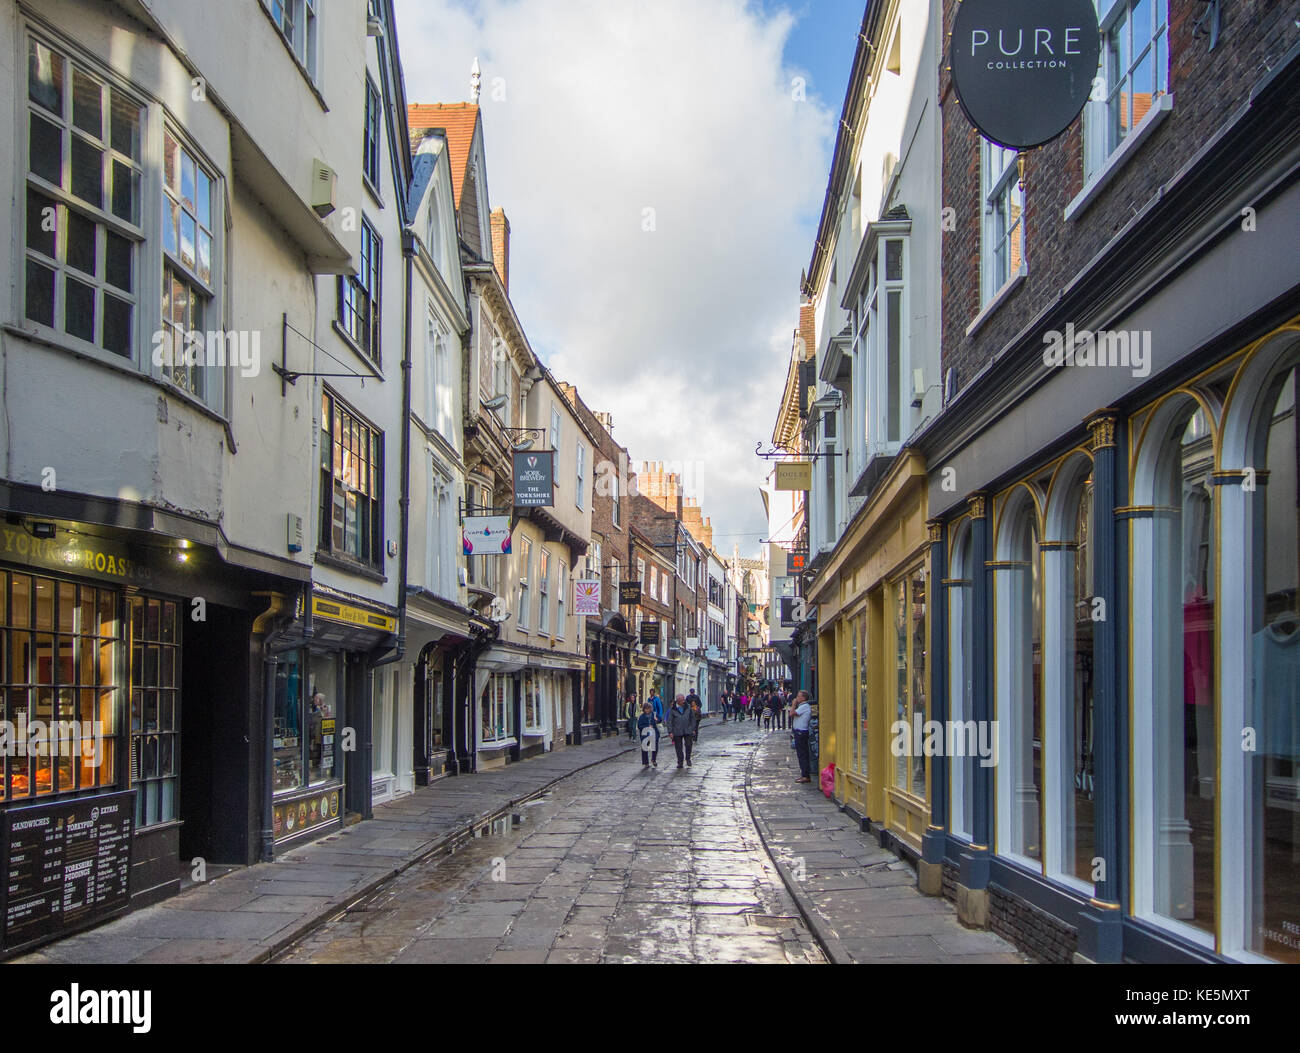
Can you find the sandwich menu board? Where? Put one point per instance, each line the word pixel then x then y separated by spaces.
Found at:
pixel 63 866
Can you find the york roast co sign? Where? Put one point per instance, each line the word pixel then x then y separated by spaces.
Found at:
pixel 1023 69
pixel 534 479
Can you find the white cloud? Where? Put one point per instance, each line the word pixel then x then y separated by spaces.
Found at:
pixel 612 107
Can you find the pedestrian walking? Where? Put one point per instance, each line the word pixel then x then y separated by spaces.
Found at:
pixel 724 700
pixel 679 729
pixel 658 705
pixel 630 712
pixel 800 717
pixel 782 704
pixel 697 717
pixel 649 730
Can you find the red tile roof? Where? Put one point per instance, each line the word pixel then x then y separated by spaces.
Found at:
pixel 457 120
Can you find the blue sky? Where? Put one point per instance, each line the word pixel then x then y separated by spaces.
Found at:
pixel 822 42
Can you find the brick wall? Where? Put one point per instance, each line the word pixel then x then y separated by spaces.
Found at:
pixel 948 880
pixel 1207 88
pixel 1032 930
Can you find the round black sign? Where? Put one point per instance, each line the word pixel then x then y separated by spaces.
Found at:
pixel 1023 69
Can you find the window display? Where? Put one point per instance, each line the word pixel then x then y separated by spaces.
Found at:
pixel 287 741
pixel 495 710
pixel 1019 680
pixel 322 694
pixel 61 674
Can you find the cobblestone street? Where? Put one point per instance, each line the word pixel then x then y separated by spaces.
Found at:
pixel 614 865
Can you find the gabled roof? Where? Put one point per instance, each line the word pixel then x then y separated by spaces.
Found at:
pixel 458 121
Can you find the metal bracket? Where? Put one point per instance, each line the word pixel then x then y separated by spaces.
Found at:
pixel 1213 14
pixel 777 455
pixel 290 376
pixel 463 509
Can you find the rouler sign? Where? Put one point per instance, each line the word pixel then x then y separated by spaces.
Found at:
pixel 1023 69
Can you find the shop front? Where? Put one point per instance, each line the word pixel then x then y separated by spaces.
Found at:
pixel 436 631
pixel 335 723
pixel 873 647
pixel 608 646
pixel 124 687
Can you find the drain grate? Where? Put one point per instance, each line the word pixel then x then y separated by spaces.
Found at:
pixel 772 921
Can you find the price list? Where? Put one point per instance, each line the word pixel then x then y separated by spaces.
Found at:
pixel 63 865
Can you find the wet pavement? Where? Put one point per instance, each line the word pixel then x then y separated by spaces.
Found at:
pixel 614 864
pixel 861 900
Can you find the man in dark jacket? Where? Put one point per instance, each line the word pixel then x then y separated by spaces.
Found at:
pixel 680 729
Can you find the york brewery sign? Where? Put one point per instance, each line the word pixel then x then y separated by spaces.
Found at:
pixel 1023 69
pixel 534 479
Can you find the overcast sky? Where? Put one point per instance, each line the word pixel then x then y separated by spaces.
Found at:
pixel 596 112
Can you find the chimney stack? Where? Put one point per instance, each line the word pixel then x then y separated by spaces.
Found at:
pixel 501 246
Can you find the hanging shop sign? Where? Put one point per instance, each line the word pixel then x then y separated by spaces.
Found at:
pixel 1023 69
pixel 629 593
pixel 794 475
pixel 534 479
pixel 796 563
pixel 64 866
pixel 649 632
pixel 586 597
pixel 486 536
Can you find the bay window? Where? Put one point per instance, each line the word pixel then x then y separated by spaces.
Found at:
pixel 87 274
pixel 84 232
pixel 877 298
pixel 188 288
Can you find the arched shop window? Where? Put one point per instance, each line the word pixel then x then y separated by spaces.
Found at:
pixel 1273 709
pixel 1260 658
pixel 1019 667
pixel 1068 674
pixel 961 613
pixel 1174 827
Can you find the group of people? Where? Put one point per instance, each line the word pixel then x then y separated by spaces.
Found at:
pixel 769 707
pixel 681 724
pixel 774 708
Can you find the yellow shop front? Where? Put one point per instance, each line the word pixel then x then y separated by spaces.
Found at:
pixel 873 685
